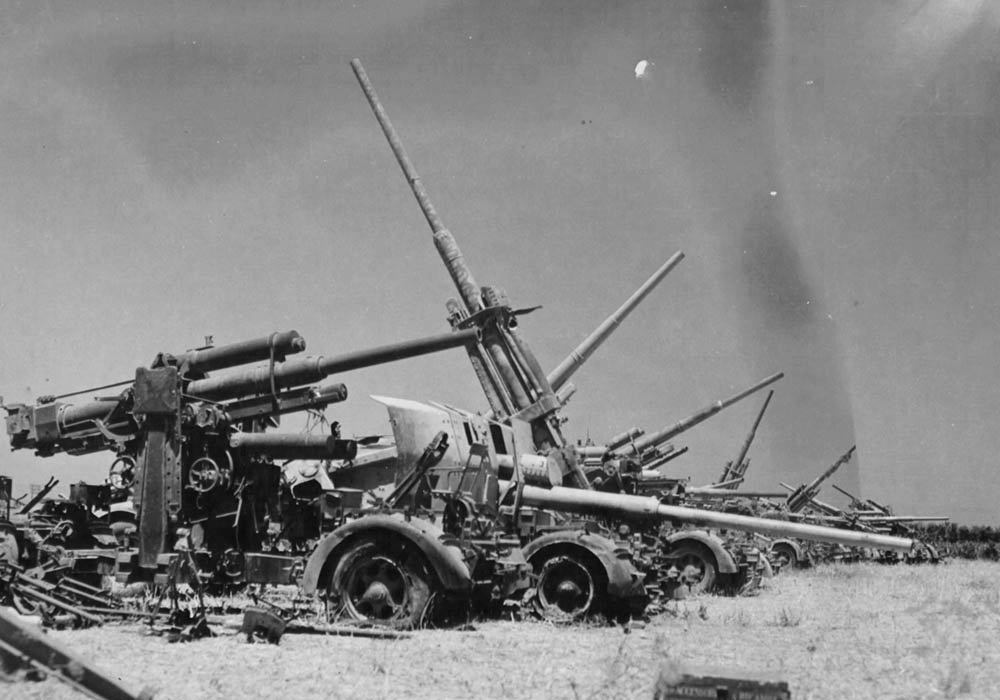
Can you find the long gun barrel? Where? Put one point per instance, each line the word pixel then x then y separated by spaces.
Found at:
pixel 443 240
pixel 51 423
pixel 661 436
pixel 737 468
pixel 510 374
pixel 293 373
pixel 275 346
pixel 861 503
pixel 854 499
pixel 817 504
pixel 708 492
pixel 291 446
pixel 561 374
pixel 605 505
pixel 624 438
pixel 875 519
pixel 802 495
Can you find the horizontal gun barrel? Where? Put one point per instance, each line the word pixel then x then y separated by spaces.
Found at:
pixel 644 507
pixel 276 345
pixel 732 493
pixel 313 369
pixel 295 446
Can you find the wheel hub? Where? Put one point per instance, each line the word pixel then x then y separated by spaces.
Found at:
pixel 378 599
pixel 378 588
pixel 565 588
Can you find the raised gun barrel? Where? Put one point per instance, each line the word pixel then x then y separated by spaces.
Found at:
pixel 561 374
pixel 615 505
pixel 661 436
pixel 443 240
pixel 864 503
pixel 510 374
pixel 290 446
pixel 624 438
pixel 735 470
pixel 804 494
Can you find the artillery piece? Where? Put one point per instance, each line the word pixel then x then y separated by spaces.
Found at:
pixel 191 449
pixel 734 472
pixel 871 516
pixel 802 505
pixel 464 523
pixel 483 497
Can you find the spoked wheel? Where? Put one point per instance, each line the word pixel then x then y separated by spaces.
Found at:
pixel 382 581
pixel 569 586
pixel 696 566
pixel 784 554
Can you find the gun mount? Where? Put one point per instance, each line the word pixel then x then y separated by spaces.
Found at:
pixel 802 496
pixel 511 377
pixel 463 523
pixel 191 449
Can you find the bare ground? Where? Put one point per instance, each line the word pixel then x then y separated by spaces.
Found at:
pixel 839 631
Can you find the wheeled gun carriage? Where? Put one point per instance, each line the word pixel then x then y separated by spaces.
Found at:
pixel 192 452
pixel 483 495
pixel 485 508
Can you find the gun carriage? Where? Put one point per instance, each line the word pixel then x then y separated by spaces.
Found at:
pixel 485 509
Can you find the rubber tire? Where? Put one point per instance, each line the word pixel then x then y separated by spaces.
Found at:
pixel 550 565
pixel 785 555
pixel 396 564
pixel 691 554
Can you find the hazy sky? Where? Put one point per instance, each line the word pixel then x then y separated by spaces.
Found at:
pixel 172 170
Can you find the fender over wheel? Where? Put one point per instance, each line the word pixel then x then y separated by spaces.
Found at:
pixel 382 580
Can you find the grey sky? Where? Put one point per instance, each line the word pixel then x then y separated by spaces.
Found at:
pixel 173 170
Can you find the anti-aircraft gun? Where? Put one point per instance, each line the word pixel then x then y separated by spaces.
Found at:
pixel 869 514
pixel 463 532
pixel 863 516
pixel 191 449
pixel 801 504
pixel 733 473
pixel 466 518
pixel 629 461
pixel 805 495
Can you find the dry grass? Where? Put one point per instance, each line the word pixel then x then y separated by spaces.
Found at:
pixel 844 631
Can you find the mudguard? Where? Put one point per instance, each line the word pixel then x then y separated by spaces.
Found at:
pixel 446 562
pixel 723 559
pixel 624 580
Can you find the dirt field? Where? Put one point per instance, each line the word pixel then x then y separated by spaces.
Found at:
pixel 839 631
